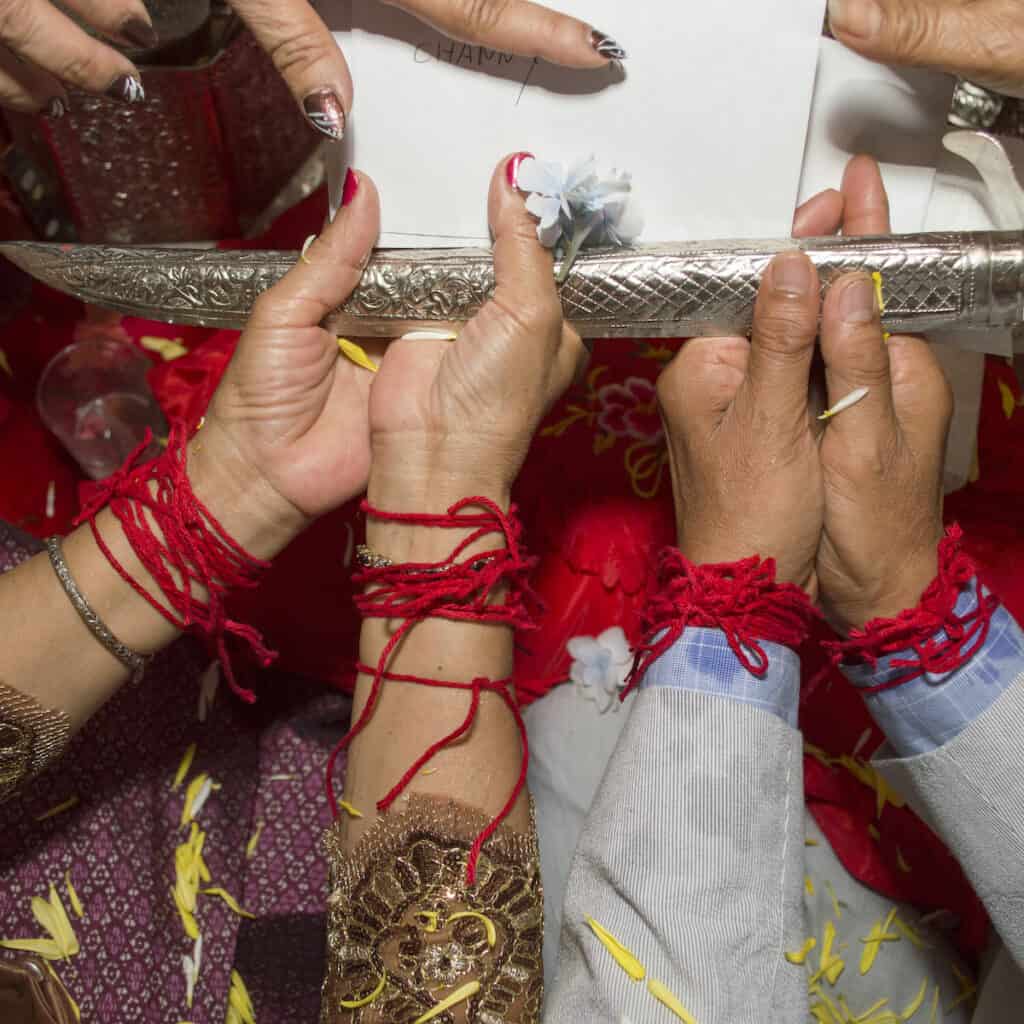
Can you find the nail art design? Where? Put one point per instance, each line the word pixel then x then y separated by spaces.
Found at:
pixel 139 33
pixel 512 168
pixel 325 113
pixel 56 108
pixel 128 89
pixel 606 46
pixel 351 187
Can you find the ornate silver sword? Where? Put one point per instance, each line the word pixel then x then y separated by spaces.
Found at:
pixel 930 281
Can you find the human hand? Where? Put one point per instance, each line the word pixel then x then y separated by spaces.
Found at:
pixel 882 458
pixel 286 437
pixel 306 53
pixel 982 40
pixel 451 419
pixel 742 449
pixel 43 50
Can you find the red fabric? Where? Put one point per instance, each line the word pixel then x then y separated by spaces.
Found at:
pixel 741 599
pixel 459 591
pixel 192 548
pixel 941 640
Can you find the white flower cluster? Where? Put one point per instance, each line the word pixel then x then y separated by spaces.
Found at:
pixel 577 208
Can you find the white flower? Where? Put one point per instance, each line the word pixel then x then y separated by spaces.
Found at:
pixel 600 666
pixel 575 207
pixel 191 966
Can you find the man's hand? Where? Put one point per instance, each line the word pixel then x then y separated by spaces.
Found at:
pixel 745 470
pixel 982 40
pixel 305 53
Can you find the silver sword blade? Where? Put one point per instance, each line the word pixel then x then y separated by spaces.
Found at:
pixel 972 280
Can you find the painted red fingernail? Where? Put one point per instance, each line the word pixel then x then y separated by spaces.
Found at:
pixel 348 193
pixel 512 167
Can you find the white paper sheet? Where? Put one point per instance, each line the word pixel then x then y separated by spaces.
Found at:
pixel 709 113
pixel 896 116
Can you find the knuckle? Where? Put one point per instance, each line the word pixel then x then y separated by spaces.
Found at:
pixel 16 21
pixel 783 330
pixel 482 17
pixel 538 316
pixel 914 31
pixel 298 52
pixel 83 68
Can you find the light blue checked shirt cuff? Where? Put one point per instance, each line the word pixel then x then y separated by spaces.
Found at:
pixel 928 712
pixel 702 660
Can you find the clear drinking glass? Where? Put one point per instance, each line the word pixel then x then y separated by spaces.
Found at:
pixel 93 395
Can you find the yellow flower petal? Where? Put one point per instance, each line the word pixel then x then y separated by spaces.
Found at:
pixel 492 932
pixel 800 956
pixel 46 948
pixel 239 997
pixel 810 842
pixel 254 839
pixel 354 1004
pixel 916 1003
pixel 167 348
pixel 354 353
pixel 64 989
pixel 195 787
pixel 879 293
pixel 229 900
pixel 183 767
pixel 666 998
pixel 837 909
pixel 467 991
pixel 76 903
pixel 809 885
pixel 622 956
pixel 1009 402
pixel 910 934
pixel 65 936
pixel 352 812
pixel 59 809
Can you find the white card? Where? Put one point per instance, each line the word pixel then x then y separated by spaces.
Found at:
pixel 709 113
pixel 896 116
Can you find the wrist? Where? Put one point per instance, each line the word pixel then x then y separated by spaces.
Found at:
pixel 247 506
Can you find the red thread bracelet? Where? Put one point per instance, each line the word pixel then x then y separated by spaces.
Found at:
pixel 195 549
pixel 458 591
pixel 941 640
pixel 740 598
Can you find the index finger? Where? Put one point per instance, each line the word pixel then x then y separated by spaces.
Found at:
pixel 305 53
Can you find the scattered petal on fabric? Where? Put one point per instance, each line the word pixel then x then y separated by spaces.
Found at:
pixel 836 906
pixel 622 956
pixel 166 348
pixel 809 885
pixel 909 933
pixel 916 1003
pixel 208 683
pixel 460 995
pixel 1008 399
pixel 667 999
pixel 57 978
pixel 492 932
pixel 72 801
pixel 239 1000
pixel 76 903
pixel 183 767
pixel 254 840
pixel 354 1004
pixel 46 948
pixel 356 354
pixel 230 900
pixel 191 965
pixel 799 956
pixel 198 792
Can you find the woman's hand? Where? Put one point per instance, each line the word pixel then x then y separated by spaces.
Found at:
pixel 882 458
pixel 742 448
pixel 452 419
pixel 306 54
pixel 43 50
pixel 982 40
pixel 286 437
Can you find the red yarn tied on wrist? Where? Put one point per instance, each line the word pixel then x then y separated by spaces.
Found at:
pixel 457 588
pixel 941 640
pixel 740 598
pixel 194 549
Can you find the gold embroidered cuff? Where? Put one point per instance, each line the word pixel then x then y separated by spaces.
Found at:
pixel 31 738
pixel 405 935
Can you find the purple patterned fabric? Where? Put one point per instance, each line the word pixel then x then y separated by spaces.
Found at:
pixel 119 841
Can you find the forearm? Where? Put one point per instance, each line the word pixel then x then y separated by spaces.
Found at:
pixel 482 768
pixel 52 656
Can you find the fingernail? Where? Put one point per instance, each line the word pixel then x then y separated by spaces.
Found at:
pixel 350 188
pixel 127 89
pixel 140 33
pixel 791 274
pixel 325 113
pixel 56 108
pixel 512 168
pixel 860 18
pixel 606 46
pixel 857 303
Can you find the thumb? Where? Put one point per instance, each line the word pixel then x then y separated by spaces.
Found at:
pixel 951 35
